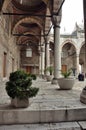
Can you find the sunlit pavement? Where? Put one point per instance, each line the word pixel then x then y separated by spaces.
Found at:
pixel 49 97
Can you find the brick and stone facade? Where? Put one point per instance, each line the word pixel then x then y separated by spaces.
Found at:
pixel 9 51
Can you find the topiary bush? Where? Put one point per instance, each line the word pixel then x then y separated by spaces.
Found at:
pixel 19 85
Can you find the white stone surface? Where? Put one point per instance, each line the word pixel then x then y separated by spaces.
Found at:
pixel 51 126
pixel 83 124
pixel 50 105
pixel 65 126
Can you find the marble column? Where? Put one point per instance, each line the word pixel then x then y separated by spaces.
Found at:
pixel 42 60
pixel 39 62
pixel 77 63
pixel 57 53
pixel 47 57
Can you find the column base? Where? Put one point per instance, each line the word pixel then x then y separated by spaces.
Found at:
pixel 54 81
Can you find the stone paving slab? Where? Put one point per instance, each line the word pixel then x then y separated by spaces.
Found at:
pixel 48 91
pixel 51 126
pixel 83 124
pixel 50 105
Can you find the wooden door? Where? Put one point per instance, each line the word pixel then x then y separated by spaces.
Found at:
pixel 28 69
pixel 64 68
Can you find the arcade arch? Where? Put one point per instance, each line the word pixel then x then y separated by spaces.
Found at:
pixel 82 58
pixel 68 57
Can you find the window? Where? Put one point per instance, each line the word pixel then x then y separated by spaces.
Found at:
pixel 28 52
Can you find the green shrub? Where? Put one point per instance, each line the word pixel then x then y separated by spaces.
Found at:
pixel 19 85
pixel 66 74
pixel 50 69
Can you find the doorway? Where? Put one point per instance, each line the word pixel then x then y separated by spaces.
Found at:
pixel 28 69
pixel 64 68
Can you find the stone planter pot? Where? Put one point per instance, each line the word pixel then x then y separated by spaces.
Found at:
pixel 54 81
pixel 20 103
pixel 83 96
pixel 66 83
pixel 49 78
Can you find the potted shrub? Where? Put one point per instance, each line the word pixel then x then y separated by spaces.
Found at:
pixel 66 82
pixel 50 70
pixel 19 88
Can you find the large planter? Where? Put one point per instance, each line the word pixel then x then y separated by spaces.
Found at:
pixel 49 78
pixel 20 103
pixel 66 83
pixel 19 88
pixel 54 81
pixel 83 96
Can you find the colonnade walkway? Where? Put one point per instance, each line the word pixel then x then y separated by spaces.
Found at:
pixel 51 109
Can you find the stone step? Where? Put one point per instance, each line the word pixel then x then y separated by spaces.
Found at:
pixel 9 115
pixel 82 125
pixel 51 126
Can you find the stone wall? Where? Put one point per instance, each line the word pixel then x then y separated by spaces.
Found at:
pixel 7 46
pixel 30 62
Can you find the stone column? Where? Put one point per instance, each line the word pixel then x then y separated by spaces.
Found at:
pixel 77 63
pixel 34 69
pixel 57 61
pixel 47 57
pixel 57 52
pixel 39 63
pixel 42 60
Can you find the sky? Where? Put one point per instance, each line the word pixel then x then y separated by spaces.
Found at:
pixel 72 12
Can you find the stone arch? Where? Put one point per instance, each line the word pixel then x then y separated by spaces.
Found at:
pixel 69 41
pixel 68 58
pixel 82 44
pixel 29 20
pixel 28 33
pixel 6 3
pixel 82 57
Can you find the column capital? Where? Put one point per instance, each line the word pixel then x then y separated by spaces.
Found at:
pixel 56 20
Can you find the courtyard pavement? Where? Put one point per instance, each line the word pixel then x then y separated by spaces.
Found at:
pixel 49 97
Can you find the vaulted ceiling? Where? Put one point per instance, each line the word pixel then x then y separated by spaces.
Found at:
pixel 30 19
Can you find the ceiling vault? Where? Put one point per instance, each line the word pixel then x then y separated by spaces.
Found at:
pixel 33 15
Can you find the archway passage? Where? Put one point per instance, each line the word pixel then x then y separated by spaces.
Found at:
pixel 68 58
pixel 82 59
pixel 30 23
